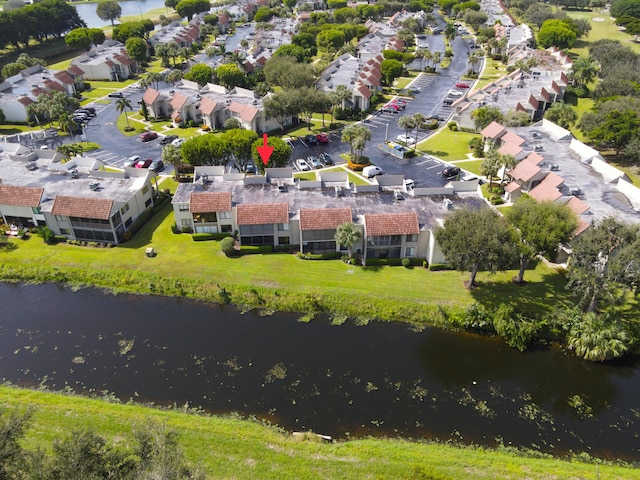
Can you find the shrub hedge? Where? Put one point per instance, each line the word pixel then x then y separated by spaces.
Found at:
pixel 203 237
pixel 320 256
pixel 255 249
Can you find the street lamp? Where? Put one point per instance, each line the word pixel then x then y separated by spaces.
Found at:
pixel 386 132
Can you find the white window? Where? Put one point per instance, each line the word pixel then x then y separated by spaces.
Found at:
pixel 283 227
pixel 185 222
pixel 224 215
pixel 412 238
pixel 410 252
pixel 183 207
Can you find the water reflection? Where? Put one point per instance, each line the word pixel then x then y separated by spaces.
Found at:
pixel 381 379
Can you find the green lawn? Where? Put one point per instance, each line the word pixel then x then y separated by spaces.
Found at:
pixel 448 145
pixel 402 82
pixel 605 29
pixel 228 447
pixel 493 70
pixel 305 175
pixel 472 166
pixel 283 281
pixel 139 127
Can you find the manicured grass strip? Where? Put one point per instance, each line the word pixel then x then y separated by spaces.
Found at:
pixel 493 70
pixel 305 175
pixel 228 447
pixel 447 144
pixel 402 82
pixel 472 166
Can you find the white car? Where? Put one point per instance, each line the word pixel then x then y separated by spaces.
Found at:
pixel 406 139
pixel 455 93
pixel 177 142
pixel 302 165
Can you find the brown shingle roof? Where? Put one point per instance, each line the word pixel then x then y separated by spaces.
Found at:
pixel 202 202
pixel 323 218
pixel 511 137
pixel 96 208
pixel 26 101
pixel 262 213
pixel 64 77
pixel 20 196
pixel 381 224
pixel 510 149
pixel 545 191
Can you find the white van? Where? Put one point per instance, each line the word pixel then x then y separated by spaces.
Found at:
pixel 371 171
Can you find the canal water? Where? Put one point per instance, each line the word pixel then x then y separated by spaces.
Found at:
pixel 344 380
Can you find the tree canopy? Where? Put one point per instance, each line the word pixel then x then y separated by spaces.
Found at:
pixel 84 37
pixel 200 73
pixel 109 10
pixel 556 33
pixel 356 136
pixel 542 228
pixel 477 239
pixel 605 264
pixel 279 157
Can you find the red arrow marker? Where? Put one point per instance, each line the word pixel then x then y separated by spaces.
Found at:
pixel 265 150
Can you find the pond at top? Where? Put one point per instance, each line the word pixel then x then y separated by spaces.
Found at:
pixel 338 380
pixel 87 11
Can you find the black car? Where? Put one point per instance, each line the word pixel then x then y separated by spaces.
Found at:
pixel 450 172
pixel 156 166
pixel 115 95
pixel 311 140
pixel 438 118
pixel 326 158
pixel 168 139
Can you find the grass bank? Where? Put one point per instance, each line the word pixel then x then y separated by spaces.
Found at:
pixel 229 447
pixel 272 282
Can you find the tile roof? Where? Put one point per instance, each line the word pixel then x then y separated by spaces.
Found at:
pixel 77 71
pixel 51 85
pixel 96 208
pixel 381 224
pixel 363 90
pixel 150 96
pixel 20 196
pixel 553 179
pixel 123 59
pixel 25 101
pixel 510 149
pixel 208 105
pixel 545 191
pixel 262 213
pixel 512 187
pixel 203 202
pixel 246 112
pixel 64 77
pixel 323 218
pixel 535 157
pixel 178 100
pixel 577 205
pixel 582 226
pixel 525 170
pixel 513 138
pixel 493 130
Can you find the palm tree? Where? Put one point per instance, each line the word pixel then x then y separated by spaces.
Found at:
pixel 419 119
pixel 436 59
pixel 67 124
pixel 172 155
pixel 419 54
pixel 356 136
pixel 598 338
pixel 490 165
pixel 508 162
pixel 408 123
pixel 584 71
pixel 122 105
pixel 347 235
pixel 340 96
pixel 474 59
pixel 428 56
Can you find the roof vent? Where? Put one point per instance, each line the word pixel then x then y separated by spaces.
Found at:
pixel 93 186
pixel 31 166
pixel 74 173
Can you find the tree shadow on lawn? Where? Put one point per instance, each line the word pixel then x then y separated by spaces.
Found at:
pixel 145 234
pixel 435 153
pixel 531 298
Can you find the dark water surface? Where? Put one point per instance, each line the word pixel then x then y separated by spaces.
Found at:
pixel 346 380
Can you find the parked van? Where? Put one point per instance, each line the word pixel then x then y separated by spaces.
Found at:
pixel 371 171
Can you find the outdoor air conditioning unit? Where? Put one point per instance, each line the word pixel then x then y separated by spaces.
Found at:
pixel 93 186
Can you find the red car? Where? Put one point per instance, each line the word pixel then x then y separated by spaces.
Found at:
pixel 148 136
pixel 144 163
pixel 462 85
pixel 322 138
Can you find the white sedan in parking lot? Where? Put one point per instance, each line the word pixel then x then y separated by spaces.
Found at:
pixel 302 165
pixel 406 139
